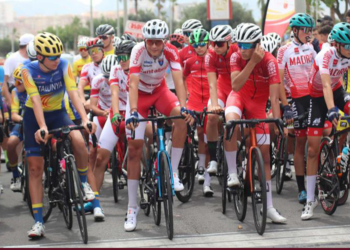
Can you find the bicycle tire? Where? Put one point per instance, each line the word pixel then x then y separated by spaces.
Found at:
pixel 115 165
pixel 327 179
pixel 281 162
pixel 343 197
pixel 156 204
pixel 167 194
pixel 224 184
pixel 144 192
pixel 273 158
pixel 259 190
pixel 77 197
pixel 219 153
pixel 65 185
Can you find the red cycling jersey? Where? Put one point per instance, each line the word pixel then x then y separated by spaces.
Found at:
pixel 185 54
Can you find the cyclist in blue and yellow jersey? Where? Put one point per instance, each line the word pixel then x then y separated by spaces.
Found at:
pixel 45 81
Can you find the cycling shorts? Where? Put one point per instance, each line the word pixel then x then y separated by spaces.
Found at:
pixel 299 107
pixel 53 119
pixel 100 122
pixel 17 131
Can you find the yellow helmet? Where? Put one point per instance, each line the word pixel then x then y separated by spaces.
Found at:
pixel 17 73
pixel 48 44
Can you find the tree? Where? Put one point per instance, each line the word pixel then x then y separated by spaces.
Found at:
pixel 335 7
pixel 159 5
pixel 143 16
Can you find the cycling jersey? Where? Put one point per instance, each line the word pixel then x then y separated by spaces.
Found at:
pixel 296 60
pixel 185 54
pixel 79 64
pixel 110 52
pixel 152 71
pixel 100 89
pixel 89 71
pixel 327 62
pixel 27 62
pixel 71 110
pixel 119 78
pixel 49 85
pixel 18 100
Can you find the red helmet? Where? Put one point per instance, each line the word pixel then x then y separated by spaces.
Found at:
pixel 96 42
pixel 177 38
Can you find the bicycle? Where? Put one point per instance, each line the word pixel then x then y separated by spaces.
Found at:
pixel 252 179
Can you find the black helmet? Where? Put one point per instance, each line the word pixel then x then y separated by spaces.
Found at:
pixel 125 47
pixel 129 37
pixel 105 29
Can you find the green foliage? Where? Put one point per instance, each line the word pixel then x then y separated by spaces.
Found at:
pixel 5 46
pixel 143 16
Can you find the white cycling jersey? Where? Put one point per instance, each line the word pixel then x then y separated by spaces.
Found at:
pixel 89 71
pixel 100 89
pixel 118 77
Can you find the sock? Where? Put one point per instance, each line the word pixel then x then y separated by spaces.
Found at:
pixel 201 162
pixel 133 186
pixel 38 212
pixel 5 155
pixel 83 174
pixel 167 136
pixel 96 202
pixel 212 150
pixel 301 183
pixel 268 195
pixel 15 172
pixel 311 184
pixel 206 178
pixel 231 161
pixel 175 159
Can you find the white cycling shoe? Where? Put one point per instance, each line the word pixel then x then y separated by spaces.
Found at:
pixel 89 194
pixel 232 180
pixel 131 219
pixel 212 167
pixel 178 186
pixel 208 191
pixel 275 216
pixel 98 214
pixel 38 230
pixel 308 210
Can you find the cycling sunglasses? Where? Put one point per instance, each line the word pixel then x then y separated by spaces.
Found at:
pixel 53 58
pixel 123 58
pixel 245 46
pixel 345 46
pixel 82 49
pixel 306 30
pixel 157 42
pixel 94 50
pixel 103 37
pixel 187 33
pixel 219 44
pixel 201 44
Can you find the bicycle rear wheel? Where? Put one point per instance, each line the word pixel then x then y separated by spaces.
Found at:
pixel 77 197
pixel 65 184
pixel 224 183
pixel 281 162
pixel 167 194
pixel 115 165
pixel 258 195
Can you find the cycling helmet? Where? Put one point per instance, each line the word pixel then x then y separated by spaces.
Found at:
pixel 276 37
pixel 302 20
pixel 31 51
pixel 107 63
pixel 341 33
pixel 127 36
pixel 221 33
pixel 191 24
pixel 199 35
pixel 268 43
pixel 96 42
pixel 125 47
pixel 48 44
pixel 82 42
pixel 178 31
pixel 177 38
pixel 116 41
pixel 329 39
pixel 17 73
pixel 234 34
pixel 248 33
pixel 155 29
pixel 105 29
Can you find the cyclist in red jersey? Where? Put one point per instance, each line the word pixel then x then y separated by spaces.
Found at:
pixel 217 64
pixel 199 97
pixel 255 77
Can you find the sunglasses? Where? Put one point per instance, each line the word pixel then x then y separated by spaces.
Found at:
pixel 219 44
pixel 306 29
pixel 245 46
pixel 82 49
pixel 345 46
pixel 103 37
pixel 123 58
pixel 187 33
pixel 53 58
pixel 156 42
pixel 196 45
pixel 18 82
pixel 94 50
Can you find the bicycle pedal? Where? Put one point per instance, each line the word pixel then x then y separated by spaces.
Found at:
pixel 144 204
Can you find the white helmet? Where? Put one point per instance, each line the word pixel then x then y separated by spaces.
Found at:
pixel 234 35
pixel 276 37
pixel 31 52
pixel 268 43
pixel 107 63
pixel 155 29
pixel 220 33
pixel 116 41
pixel 82 42
pixel 191 25
pixel 178 31
pixel 248 33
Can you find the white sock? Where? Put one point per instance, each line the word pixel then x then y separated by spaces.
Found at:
pixel 206 178
pixel 201 161
pixel 231 161
pixel 133 186
pixel 311 184
pixel 175 159
pixel 167 136
pixel 268 195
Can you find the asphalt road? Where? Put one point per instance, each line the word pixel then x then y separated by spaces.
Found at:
pixel 198 223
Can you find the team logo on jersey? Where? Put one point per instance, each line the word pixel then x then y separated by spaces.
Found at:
pixel 296 50
pixel 335 62
pixel 196 62
pixel 161 62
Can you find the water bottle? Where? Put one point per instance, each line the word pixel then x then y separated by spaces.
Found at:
pixel 344 159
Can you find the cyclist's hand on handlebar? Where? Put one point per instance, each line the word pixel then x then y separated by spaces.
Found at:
pixel 133 121
pixel 38 137
pixel 188 114
pixel 215 109
pixel 115 119
pixel 333 116
pixel 93 127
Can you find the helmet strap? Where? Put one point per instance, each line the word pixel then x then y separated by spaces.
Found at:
pixel 42 63
pixel 339 52
pixel 228 48
pixel 297 36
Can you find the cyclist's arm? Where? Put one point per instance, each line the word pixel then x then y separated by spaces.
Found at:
pixel 5 90
pixel 133 91
pixel 15 107
pixel 212 88
pixel 75 70
pixel 275 105
pixel 115 98
pixel 239 78
pixel 76 101
pixel 327 90
pixel 81 86
pixel 283 97
pixel 179 87
pixel 95 109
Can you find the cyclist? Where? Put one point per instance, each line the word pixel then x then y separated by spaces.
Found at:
pixel 254 77
pixel 85 59
pixel 129 37
pixel 327 95
pixel 31 53
pixel 148 64
pixel 217 64
pixel 45 81
pixel 199 96
pixel 269 44
pixel 178 41
pixel 295 62
pixel 276 38
pixel 19 97
pixel 106 32
pixel 2 75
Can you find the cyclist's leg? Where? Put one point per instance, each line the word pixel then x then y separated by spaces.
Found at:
pixel 99 121
pixel 12 144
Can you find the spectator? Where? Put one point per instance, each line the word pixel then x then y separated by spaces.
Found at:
pixel 323 34
pixel 315 43
pixel 348 16
pixel 324 19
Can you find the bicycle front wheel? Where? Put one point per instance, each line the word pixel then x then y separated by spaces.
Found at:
pixel 258 195
pixel 115 167
pixel 240 194
pixel 281 162
pixel 167 194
